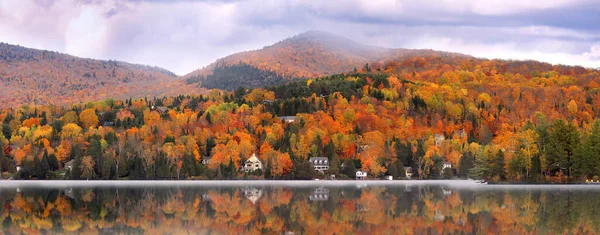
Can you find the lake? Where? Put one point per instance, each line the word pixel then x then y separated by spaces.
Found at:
pixel 297 207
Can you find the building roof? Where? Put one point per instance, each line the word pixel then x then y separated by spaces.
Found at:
pixel 319 161
pixel 253 158
pixel 287 118
pixel 408 169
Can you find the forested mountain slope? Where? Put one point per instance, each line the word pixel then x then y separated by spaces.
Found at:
pixel 307 55
pixel 30 76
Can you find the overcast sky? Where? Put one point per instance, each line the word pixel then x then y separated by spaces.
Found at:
pixel 183 35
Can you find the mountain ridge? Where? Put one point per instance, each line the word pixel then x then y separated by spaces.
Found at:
pixel 307 55
pixel 35 77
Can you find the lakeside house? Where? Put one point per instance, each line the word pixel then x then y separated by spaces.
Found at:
pixel 361 175
pixel 69 165
pixel 252 164
pixel 321 164
pixel 447 165
pixel 206 160
pixel 408 172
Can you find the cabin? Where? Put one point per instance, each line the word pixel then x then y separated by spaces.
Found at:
pixel 447 165
pixel 69 165
pixel 389 177
pixel 108 123
pixel 408 171
pixel 288 119
pixel 361 175
pixel 252 164
pixel 321 164
pixel 206 160
pixel 438 139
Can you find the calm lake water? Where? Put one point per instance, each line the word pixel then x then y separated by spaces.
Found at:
pixel 313 207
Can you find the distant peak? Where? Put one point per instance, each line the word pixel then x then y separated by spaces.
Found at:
pixel 317 34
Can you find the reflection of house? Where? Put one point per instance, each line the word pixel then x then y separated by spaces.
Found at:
pixel 206 197
pixel 408 171
pixel 361 208
pixel 319 194
pixel 446 165
pixel 320 164
pixel 69 165
pixel 438 139
pixel 206 160
pixel 253 194
pixel 361 175
pixel 288 119
pixel 252 164
pixel 438 216
pixel 69 193
pixel 446 192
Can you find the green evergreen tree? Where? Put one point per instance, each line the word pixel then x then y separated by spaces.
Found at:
pixel 349 169
pixel 44 167
pixel 466 163
pixel 107 165
pixel 562 142
pixel 498 163
pixel 586 161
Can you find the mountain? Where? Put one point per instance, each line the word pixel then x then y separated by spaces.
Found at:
pixel 307 55
pixel 31 76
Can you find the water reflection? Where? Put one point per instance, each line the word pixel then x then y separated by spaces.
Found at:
pixel 318 209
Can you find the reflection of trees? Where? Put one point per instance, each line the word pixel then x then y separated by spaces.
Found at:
pixel 411 209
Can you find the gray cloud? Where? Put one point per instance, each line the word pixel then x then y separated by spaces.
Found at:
pixel 184 35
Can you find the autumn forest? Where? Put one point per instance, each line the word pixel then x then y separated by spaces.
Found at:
pixel 442 116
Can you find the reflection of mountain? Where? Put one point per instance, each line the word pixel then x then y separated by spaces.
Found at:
pixel 227 210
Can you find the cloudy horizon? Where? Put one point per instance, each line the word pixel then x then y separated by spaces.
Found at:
pixel 184 35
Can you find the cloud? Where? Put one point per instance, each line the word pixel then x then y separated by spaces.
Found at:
pixel 184 35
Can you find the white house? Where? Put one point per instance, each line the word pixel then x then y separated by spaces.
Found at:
pixel 361 175
pixel 252 164
pixel 206 160
pixel 320 164
pixel 446 165
pixel 408 171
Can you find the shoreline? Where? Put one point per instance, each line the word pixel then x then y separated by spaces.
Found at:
pixel 450 184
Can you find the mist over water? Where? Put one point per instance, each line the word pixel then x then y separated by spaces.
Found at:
pixel 301 207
